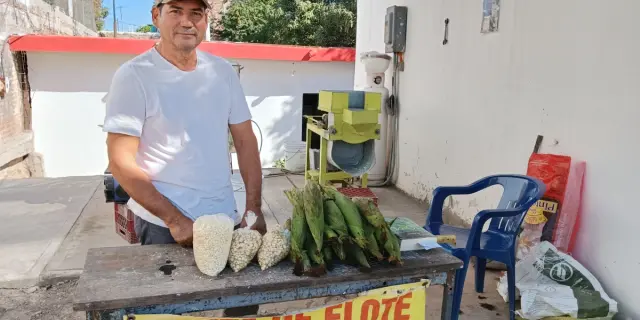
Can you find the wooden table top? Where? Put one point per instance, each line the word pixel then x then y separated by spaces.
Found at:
pixel 125 277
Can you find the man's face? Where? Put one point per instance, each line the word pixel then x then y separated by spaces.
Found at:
pixel 181 22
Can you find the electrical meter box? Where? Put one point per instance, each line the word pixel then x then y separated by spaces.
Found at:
pixel 395 29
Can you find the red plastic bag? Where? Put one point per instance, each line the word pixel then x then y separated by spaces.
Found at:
pixel 553 218
pixel 568 222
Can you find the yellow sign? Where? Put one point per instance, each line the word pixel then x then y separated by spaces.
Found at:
pixel 535 215
pixel 401 302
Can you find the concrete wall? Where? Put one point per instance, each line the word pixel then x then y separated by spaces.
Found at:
pixel 568 70
pixel 37 16
pixel 23 17
pixel 68 89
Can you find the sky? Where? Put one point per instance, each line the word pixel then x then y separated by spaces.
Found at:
pixel 130 14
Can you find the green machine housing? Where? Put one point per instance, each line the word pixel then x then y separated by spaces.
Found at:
pixel 351 122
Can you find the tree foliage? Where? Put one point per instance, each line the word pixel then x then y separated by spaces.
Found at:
pixel 145 29
pixel 101 13
pixel 327 23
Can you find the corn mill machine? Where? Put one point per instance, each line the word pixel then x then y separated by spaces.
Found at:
pixel 348 130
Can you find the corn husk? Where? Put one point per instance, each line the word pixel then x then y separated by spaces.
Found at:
pixel 351 215
pixel 372 243
pixel 387 240
pixel 334 219
pixel 317 258
pixel 330 235
pixel 304 267
pixel 338 249
pixel 314 211
pixel 328 257
pixel 358 257
pixel 298 226
pixel 370 212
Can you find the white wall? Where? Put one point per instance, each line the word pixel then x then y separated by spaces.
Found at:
pixel 568 70
pixel 68 88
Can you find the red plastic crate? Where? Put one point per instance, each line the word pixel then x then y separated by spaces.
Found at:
pixel 124 223
pixel 359 192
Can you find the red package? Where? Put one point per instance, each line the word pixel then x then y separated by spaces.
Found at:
pixel 553 170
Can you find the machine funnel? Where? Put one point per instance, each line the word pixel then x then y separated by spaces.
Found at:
pixel 354 159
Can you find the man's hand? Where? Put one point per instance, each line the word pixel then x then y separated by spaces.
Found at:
pixel 181 230
pixel 259 224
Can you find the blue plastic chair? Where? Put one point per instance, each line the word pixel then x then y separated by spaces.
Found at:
pixel 499 241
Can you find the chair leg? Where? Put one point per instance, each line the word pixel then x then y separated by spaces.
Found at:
pixel 481 265
pixel 458 290
pixel 511 283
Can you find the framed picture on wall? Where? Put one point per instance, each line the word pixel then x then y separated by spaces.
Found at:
pixel 490 16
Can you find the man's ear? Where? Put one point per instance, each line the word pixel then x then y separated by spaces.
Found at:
pixel 155 14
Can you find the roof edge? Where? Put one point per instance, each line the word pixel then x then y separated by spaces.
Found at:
pixel 234 50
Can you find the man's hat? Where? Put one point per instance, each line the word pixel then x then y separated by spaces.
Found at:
pixel 159 2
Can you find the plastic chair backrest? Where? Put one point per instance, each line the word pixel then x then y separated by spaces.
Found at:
pixel 517 192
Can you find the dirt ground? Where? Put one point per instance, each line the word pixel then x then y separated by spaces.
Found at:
pixel 41 303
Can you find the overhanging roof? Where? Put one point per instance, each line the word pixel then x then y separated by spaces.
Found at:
pixel 234 50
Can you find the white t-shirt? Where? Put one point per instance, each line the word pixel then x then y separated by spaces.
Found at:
pixel 182 120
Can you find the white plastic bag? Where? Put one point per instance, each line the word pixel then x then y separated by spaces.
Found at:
pixel 212 236
pixel 553 284
pixel 244 247
pixel 276 244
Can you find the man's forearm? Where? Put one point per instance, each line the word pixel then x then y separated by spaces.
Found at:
pixel 251 171
pixel 139 187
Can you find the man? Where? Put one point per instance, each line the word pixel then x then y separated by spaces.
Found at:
pixel 168 116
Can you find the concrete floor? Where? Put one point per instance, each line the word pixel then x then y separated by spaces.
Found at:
pixel 92 226
pixel 36 216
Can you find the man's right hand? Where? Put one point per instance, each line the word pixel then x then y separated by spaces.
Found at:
pixel 181 229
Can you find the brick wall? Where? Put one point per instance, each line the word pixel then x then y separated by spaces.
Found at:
pixel 41 18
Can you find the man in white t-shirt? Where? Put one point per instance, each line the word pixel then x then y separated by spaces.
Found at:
pixel 168 116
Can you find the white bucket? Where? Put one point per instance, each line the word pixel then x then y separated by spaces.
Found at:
pixel 294 156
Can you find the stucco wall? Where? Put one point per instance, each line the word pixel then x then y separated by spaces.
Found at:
pixel 67 104
pixel 568 70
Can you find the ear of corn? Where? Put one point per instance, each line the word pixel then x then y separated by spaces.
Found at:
pixel 314 253
pixel 387 240
pixel 351 215
pixel 334 219
pixel 317 258
pixel 358 255
pixel 297 226
pixel 372 243
pixel 394 247
pixel 314 211
pixel 304 267
pixel 327 226
pixel 338 249
pixel 328 257
pixel 370 212
pixel 330 235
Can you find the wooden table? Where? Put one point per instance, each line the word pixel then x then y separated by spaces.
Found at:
pixel 164 279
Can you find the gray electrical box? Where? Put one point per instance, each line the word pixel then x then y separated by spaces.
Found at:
pixel 395 29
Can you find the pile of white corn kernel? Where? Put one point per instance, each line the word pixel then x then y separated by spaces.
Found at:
pixel 216 244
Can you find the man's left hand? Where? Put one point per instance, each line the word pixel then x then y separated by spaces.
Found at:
pixel 259 225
